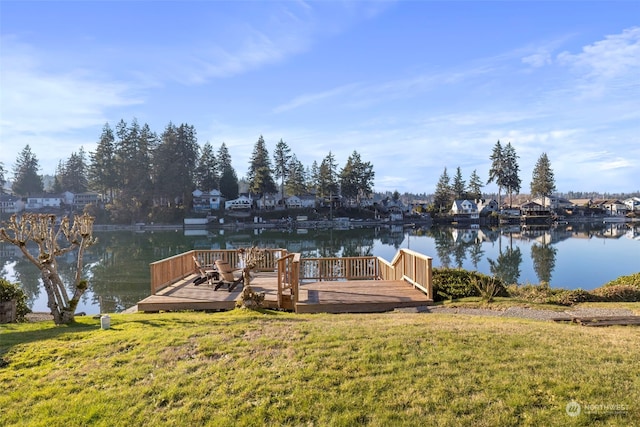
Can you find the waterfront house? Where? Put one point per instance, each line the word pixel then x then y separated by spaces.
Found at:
pixel 205 201
pixel 464 210
pixel 611 207
pixel 241 203
pixel 43 201
pixel 485 207
pixel 303 201
pixel 633 203
pixel 10 204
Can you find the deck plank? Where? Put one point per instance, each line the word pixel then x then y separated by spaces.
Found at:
pixel 354 296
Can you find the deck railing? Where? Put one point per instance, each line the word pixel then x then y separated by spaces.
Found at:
pixel 168 270
pixel 345 268
pixel 412 267
pixel 288 279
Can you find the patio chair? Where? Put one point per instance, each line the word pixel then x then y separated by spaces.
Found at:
pixel 228 276
pixel 208 274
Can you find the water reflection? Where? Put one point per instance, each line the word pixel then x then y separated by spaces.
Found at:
pixel 118 265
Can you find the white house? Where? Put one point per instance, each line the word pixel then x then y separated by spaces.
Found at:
pixel 43 201
pixel 633 203
pixel 612 207
pixel 485 206
pixel 298 202
pixel 10 204
pixel 465 209
pixel 242 202
pixel 206 201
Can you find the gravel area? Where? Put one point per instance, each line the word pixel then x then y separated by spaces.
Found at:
pixel 523 312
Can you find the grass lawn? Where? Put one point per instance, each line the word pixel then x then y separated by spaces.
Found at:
pixel 248 368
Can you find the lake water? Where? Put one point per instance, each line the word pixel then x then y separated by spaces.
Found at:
pixel 578 256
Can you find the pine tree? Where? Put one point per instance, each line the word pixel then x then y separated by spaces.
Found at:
pixel 356 178
pixel 296 183
pixel 103 172
pixel 458 186
pixel 475 186
pixel 26 180
pixel 327 177
pixel 443 195
pixel 259 174
pixel 282 159
pixel 228 176
pixel 543 181
pixel 496 173
pixel 207 177
pixel 511 174
pixel 3 180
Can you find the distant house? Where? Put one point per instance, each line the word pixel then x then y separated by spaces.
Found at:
pixel 267 201
pixel 43 201
pixel 299 202
pixel 633 203
pixel 464 210
pixel 241 203
pixel 582 203
pixel 533 207
pixel 10 204
pixel 612 207
pixel 81 200
pixel 553 202
pixel 206 201
pixel 485 207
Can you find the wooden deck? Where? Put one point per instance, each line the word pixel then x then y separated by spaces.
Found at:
pixel 352 296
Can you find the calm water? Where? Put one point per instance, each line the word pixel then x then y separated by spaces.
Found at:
pixel 584 256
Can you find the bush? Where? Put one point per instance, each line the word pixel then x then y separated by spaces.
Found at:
pixel 543 294
pixel 9 291
pixel 455 283
pixel 631 280
pixel 618 293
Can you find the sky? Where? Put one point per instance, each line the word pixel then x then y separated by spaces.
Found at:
pixel 413 86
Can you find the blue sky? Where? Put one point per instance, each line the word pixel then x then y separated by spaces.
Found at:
pixel 413 86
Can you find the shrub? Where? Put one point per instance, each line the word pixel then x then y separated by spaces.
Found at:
pixel 618 293
pixel 543 294
pixel 630 280
pixel 9 291
pixel 455 283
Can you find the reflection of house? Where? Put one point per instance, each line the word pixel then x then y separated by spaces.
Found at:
pixel 464 210
pixel 485 207
pixel 206 201
pixel 10 204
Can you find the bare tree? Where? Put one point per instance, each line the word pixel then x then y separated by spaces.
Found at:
pixel 53 241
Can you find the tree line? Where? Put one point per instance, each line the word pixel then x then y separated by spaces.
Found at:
pixel 140 171
pixel 504 171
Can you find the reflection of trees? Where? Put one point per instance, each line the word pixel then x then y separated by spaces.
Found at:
pixel 544 261
pixel 476 253
pixel 28 276
pixel 444 244
pixel 507 266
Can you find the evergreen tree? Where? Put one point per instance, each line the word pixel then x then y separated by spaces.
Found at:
pixel 443 197
pixel 313 176
pixel 174 164
pixel 207 176
pixel 511 173
pixel 496 173
pixel 103 172
pixel 543 181
pixel 475 186
pixel 327 177
pixel 26 180
pixel 296 183
pixel 3 181
pixel 459 185
pixel 356 178
pixel 282 161
pixel 259 174
pixel 72 174
pixel 228 176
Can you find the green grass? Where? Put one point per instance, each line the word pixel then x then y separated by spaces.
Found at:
pixel 245 368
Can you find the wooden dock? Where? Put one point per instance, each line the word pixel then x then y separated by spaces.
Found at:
pixel 352 296
pixel 311 285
